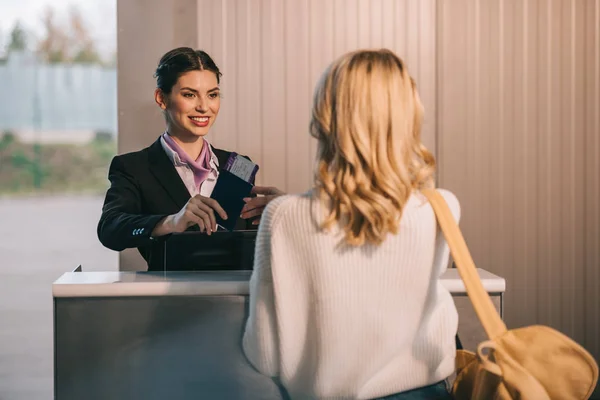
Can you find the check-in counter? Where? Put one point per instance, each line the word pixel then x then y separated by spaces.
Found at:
pixel 176 335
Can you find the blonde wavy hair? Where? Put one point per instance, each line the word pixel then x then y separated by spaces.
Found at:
pixel 367 117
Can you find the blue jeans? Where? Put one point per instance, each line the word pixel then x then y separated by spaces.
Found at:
pixel 437 391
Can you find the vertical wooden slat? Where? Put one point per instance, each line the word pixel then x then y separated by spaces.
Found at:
pixel 274 166
pixel 376 24
pixel 566 268
pixel 542 210
pixel 475 138
pixel 485 113
pixel 595 277
pixel 592 272
pixel 185 23
pixel 506 135
pixel 343 25
pixel 296 77
pixel 318 57
pixel 488 126
pixel 211 40
pixel 506 126
pixel 249 124
pixel 400 28
pixel 412 37
pixel 324 45
pixel 351 34
pixel 363 24
pixel 218 39
pixel 494 127
pixel 532 267
pixel 554 168
pixel 427 71
pixel 224 133
pixel 214 43
pixel 517 102
pixel 578 156
pixel 453 47
pixel 387 24
pixel 204 13
pixel 233 64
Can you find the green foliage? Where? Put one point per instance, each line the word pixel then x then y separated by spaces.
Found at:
pixel 103 136
pixel 87 56
pixel 56 57
pixel 6 139
pixel 19 160
pixel 54 168
pixel 18 39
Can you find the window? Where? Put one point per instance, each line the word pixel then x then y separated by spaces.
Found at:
pixel 58 130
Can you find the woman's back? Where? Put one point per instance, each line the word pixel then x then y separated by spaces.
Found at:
pixel 357 322
pixel 345 300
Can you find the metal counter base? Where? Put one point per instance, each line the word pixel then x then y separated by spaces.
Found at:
pixel 166 348
pixel 170 346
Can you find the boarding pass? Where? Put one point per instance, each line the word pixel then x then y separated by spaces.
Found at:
pixel 241 167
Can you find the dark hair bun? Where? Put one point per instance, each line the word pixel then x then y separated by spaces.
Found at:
pixel 179 61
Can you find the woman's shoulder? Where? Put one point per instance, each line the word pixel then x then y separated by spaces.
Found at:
pixel 131 160
pixel 134 155
pixel 289 207
pixel 449 197
pixel 143 153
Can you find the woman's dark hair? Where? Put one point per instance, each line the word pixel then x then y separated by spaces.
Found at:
pixel 179 61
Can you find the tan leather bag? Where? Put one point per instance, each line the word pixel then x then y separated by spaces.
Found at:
pixel 530 363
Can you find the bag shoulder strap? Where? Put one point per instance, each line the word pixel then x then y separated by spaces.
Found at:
pixel 482 303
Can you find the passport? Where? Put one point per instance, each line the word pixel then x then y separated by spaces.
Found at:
pixel 241 167
pixel 229 192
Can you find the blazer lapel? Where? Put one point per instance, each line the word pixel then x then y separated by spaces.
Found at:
pixel 164 171
pixel 222 156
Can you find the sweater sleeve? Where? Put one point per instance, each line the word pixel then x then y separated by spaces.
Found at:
pixel 260 340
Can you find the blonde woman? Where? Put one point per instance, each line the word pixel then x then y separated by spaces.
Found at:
pixel 345 301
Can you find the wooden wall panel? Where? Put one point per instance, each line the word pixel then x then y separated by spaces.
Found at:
pixel 518 142
pixel 273 52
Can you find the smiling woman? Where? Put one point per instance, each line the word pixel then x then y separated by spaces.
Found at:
pixel 166 187
pixel 188 92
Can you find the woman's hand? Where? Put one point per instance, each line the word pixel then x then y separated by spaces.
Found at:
pixel 256 205
pixel 198 210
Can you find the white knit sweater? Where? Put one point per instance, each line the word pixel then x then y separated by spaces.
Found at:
pixel 350 323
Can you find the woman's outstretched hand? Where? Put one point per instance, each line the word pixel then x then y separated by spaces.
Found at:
pixel 256 205
pixel 198 210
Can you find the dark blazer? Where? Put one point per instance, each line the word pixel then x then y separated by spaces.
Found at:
pixel 144 188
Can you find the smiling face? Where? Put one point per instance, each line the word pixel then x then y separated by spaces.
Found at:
pixel 193 104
